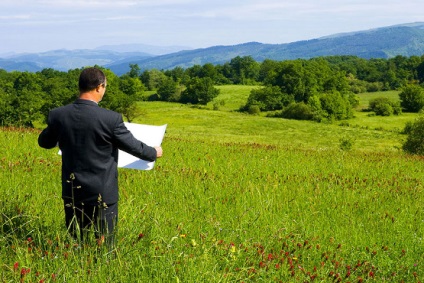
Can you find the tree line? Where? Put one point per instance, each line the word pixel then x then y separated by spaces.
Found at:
pixel 318 89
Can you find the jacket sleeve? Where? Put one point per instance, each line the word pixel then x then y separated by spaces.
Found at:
pixel 48 138
pixel 128 143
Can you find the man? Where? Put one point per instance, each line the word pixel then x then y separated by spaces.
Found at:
pixel 89 138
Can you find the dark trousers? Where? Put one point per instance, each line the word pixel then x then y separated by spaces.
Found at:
pixel 82 219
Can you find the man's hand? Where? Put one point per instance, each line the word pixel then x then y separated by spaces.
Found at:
pixel 158 151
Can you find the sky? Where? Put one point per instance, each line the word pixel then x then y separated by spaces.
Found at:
pixel 44 25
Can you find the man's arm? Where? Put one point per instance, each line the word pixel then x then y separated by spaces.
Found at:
pixel 48 138
pixel 128 143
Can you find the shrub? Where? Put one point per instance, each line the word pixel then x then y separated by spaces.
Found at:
pixel 254 109
pixel 298 111
pixel 168 90
pixel 412 98
pixel 415 141
pixel 199 91
pixel 268 98
pixel 383 106
pixel 374 86
pixel 346 143
pixel 336 106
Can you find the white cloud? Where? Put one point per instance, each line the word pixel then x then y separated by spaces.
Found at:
pixel 196 23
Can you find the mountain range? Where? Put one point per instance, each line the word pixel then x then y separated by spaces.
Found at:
pixel 385 42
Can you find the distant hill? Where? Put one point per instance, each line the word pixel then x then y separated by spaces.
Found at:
pixel 386 42
pixel 64 60
pixel 150 49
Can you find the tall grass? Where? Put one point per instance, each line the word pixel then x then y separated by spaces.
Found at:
pixel 235 198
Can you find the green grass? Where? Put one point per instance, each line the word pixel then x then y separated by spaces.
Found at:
pixel 233 96
pixel 235 198
pixel 365 98
pixel 203 123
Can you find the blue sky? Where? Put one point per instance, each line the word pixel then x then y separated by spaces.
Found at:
pixel 43 25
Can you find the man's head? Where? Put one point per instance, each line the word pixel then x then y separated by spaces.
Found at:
pixel 92 84
pixel 90 79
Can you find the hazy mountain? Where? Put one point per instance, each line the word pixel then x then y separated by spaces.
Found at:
pixel 149 49
pixel 64 60
pixel 385 42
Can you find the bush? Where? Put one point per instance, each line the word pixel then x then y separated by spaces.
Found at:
pixel 336 106
pixel 168 90
pixel 199 91
pixel 374 86
pixel 298 111
pixel 412 98
pixel 415 141
pixel 254 110
pixel 268 98
pixel 383 106
pixel 346 143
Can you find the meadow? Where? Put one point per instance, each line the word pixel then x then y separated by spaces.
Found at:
pixel 235 198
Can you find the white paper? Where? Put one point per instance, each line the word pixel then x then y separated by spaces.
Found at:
pixel 150 135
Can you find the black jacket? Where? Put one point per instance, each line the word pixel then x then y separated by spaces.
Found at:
pixel 89 137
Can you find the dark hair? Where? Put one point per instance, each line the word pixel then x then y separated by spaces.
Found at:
pixel 90 78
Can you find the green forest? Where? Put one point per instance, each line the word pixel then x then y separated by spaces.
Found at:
pixel 321 89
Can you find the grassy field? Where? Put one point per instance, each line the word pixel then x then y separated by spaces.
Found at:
pixel 236 198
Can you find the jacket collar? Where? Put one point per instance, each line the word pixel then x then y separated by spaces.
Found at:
pixel 85 101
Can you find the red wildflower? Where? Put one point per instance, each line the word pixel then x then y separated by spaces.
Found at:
pixel 101 240
pixel 16 266
pixel 251 270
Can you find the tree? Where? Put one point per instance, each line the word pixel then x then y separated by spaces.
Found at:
pixel 134 71
pixel 28 99
pixel 168 90
pixel 199 91
pixel 412 98
pixel 152 78
pixel 245 70
pixel 57 90
pixel 178 74
pixel 420 72
pixel 7 96
pixel 131 86
pixel 336 106
pixel 415 141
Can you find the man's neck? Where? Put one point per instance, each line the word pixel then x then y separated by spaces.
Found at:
pixel 89 96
